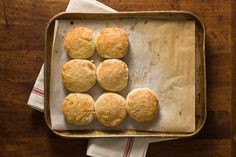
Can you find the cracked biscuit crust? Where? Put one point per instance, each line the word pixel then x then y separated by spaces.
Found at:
pixel 142 105
pixel 112 75
pixel 112 43
pixel 110 109
pixel 78 75
pixel 79 43
pixel 78 109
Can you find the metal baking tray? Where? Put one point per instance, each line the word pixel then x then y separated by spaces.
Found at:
pixel 200 73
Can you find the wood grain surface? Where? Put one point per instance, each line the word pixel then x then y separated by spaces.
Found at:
pixel 233 78
pixel 23 131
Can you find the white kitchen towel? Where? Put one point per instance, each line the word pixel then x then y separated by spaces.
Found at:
pixel 36 99
pixel 122 147
pixel 98 147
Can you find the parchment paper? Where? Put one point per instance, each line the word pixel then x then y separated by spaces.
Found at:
pixel 161 57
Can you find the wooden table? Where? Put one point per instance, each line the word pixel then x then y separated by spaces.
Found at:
pixel 23 131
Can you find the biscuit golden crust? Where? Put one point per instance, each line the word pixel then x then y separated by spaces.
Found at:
pixel 112 43
pixel 78 109
pixel 142 105
pixel 112 75
pixel 79 43
pixel 78 75
pixel 110 109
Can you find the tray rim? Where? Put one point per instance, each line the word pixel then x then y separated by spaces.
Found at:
pixel 149 134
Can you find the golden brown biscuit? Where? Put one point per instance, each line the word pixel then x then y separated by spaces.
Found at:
pixel 78 109
pixel 78 75
pixel 110 109
pixel 112 75
pixel 112 43
pixel 142 104
pixel 79 43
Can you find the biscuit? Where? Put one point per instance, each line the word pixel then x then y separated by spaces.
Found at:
pixel 110 109
pixel 78 109
pixel 112 43
pixel 142 104
pixel 78 75
pixel 79 43
pixel 112 75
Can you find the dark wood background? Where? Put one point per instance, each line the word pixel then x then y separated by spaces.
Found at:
pixel 23 131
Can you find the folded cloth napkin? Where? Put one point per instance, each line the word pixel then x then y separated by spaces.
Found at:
pixel 98 147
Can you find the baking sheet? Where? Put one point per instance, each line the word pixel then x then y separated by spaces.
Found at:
pixel 161 57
